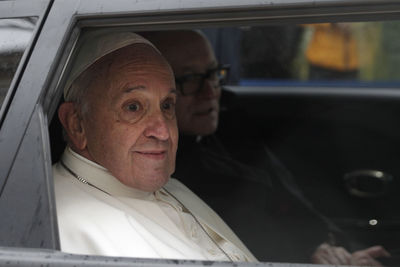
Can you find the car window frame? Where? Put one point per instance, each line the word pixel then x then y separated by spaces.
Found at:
pixel 69 17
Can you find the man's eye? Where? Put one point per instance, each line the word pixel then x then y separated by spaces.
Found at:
pixel 132 107
pixel 168 105
pixel 168 108
pixel 214 75
pixel 194 78
pixel 132 111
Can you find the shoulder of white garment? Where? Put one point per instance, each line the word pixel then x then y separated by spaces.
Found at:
pixel 78 214
pixel 205 214
pixel 87 215
pixel 92 222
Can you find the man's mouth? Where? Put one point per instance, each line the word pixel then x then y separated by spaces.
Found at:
pixel 153 154
pixel 205 112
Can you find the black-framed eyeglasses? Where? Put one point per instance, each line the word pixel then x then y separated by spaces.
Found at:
pixel 192 83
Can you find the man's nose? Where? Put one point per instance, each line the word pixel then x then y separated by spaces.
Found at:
pixel 210 89
pixel 157 127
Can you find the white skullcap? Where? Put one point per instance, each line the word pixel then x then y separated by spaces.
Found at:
pixel 95 44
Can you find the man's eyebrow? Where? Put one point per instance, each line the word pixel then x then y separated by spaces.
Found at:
pixel 130 89
pixel 142 87
pixel 188 69
pixel 191 69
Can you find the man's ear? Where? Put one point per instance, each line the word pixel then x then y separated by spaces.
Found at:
pixel 72 123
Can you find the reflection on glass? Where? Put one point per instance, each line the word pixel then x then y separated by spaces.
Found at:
pixel 332 53
pixel 354 54
pixel 15 35
pixel 341 138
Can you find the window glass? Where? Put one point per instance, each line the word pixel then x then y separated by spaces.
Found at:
pixel 347 54
pixel 15 35
pixel 298 179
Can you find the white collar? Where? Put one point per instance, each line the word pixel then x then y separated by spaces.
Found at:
pixel 100 177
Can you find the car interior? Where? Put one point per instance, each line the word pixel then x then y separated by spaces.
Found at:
pixel 338 138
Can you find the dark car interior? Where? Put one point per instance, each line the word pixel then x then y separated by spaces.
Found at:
pixel 323 138
pixel 339 140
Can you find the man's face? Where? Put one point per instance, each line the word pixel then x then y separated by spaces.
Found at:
pixel 198 113
pixel 130 126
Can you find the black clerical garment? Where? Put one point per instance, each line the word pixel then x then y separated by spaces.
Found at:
pixel 255 195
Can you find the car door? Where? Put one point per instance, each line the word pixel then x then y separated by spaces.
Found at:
pixel 26 199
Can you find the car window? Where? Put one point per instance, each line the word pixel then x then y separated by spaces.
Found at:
pixel 295 169
pixel 279 154
pixel 298 175
pixel 358 54
pixel 15 35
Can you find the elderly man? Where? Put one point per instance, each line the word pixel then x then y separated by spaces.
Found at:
pixel 243 182
pixel 113 190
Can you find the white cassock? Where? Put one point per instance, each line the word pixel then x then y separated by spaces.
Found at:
pixel 101 216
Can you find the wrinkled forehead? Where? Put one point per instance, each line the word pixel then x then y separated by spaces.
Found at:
pixel 192 52
pixel 128 67
pixel 136 62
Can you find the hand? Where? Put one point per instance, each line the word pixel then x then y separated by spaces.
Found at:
pixel 327 254
pixel 331 255
pixel 367 256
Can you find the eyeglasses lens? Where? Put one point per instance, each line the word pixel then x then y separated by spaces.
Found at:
pixel 192 83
